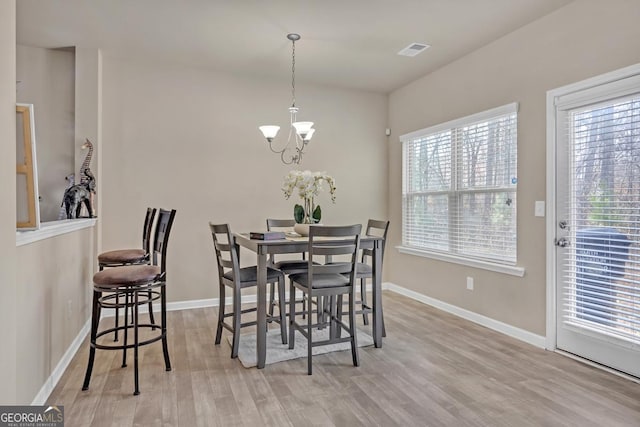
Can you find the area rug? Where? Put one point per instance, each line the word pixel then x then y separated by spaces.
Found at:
pixel 278 352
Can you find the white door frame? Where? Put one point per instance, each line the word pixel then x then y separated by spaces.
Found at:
pixel 551 323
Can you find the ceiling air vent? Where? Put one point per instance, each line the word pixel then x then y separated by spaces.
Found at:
pixel 413 49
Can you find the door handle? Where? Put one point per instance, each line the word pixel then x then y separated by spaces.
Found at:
pixel 562 242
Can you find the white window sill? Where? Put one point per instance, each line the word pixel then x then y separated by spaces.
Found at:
pixel 485 265
pixel 52 229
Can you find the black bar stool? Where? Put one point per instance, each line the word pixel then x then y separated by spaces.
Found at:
pixel 129 287
pixel 122 257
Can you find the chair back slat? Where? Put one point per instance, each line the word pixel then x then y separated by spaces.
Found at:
pixel 223 247
pixel 146 230
pixel 161 237
pixel 279 223
pixel 333 249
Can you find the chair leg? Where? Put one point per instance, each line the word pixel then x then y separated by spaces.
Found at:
pixel 384 331
pixel 272 298
pixel 282 310
pixel 115 333
pixel 95 318
pixel 136 381
pixel 363 299
pixel 292 315
pixel 352 327
pixel 163 319
pixel 339 314
pixel 221 307
pixel 117 320
pixel 332 317
pixel 310 340
pixel 237 307
pixel 151 318
pixel 126 329
pixel 320 303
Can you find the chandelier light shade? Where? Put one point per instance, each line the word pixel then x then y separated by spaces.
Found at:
pixel 269 131
pixel 300 133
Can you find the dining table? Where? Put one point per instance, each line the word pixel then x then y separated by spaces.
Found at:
pixel 295 244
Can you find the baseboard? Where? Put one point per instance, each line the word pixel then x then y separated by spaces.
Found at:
pixel 62 365
pixel 521 334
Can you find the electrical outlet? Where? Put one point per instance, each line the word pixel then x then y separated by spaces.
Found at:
pixel 470 283
pixel 69 308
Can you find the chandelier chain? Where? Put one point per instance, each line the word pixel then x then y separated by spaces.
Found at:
pixel 293 73
pixel 299 132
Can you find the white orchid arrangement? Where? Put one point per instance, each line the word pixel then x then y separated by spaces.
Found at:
pixel 308 185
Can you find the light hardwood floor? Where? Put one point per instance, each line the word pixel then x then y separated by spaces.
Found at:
pixel 435 369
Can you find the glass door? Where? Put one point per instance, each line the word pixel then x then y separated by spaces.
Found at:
pixel 598 224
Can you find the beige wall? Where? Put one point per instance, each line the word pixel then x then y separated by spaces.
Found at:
pixel 47 81
pixel 53 297
pixel 188 139
pixel 583 39
pixel 53 276
pixel 8 195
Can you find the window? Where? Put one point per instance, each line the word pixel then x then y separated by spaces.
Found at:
pixel 459 187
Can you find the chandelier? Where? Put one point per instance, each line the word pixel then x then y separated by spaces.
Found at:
pixel 300 131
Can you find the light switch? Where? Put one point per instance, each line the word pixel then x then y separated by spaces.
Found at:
pixel 539 208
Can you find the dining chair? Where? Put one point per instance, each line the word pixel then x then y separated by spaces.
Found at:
pixel 288 266
pixel 131 256
pixel 329 281
pixel 124 287
pixel 231 275
pixel 365 270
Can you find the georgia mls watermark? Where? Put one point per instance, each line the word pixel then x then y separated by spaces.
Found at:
pixel 32 416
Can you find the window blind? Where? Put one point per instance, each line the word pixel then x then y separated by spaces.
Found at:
pixel 602 265
pixel 459 187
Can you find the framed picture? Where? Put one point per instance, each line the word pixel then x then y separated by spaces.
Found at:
pixel 27 207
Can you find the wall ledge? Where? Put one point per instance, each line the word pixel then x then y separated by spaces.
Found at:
pixel 52 229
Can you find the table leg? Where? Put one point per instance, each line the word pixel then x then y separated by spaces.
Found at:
pixel 377 294
pixel 261 332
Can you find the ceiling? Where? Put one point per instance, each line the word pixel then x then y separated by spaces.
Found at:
pixel 345 43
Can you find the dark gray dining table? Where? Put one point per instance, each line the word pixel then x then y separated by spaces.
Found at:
pixel 294 245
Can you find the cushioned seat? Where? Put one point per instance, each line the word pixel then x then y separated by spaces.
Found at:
pixel 291 264
pixel 128 275
pixel 250 274
pixel 321 281
pixel 123 256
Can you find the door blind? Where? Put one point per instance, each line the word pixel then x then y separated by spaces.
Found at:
pixel 602 263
